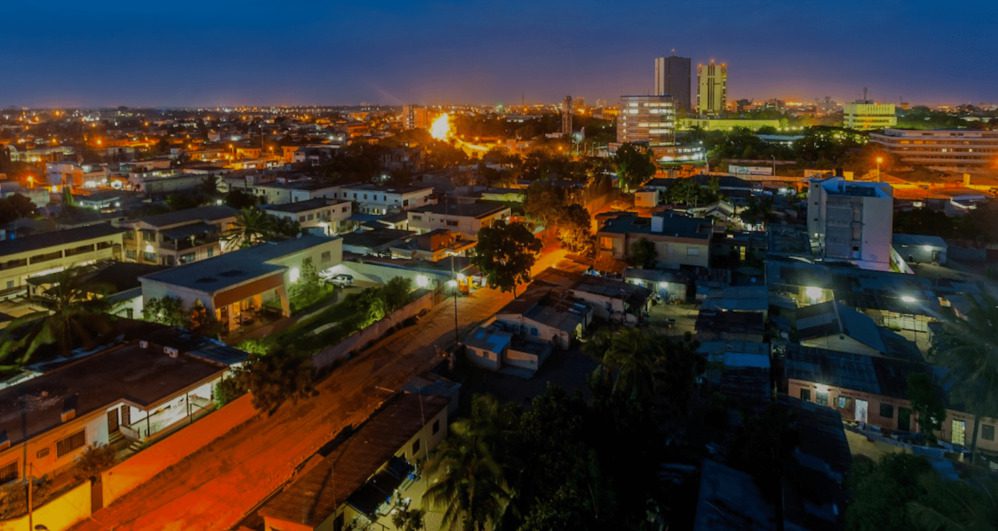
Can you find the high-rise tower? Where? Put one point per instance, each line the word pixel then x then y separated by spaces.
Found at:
pixel 672 77
pixel 712 88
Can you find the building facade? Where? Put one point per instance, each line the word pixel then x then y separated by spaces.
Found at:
pixel 950 149
pixel 672 78
pixel 712 88
pixel 463 219
pixel 177 238
pixel 851 221
pixel 647 120
pixel 50 252
pixel 867 116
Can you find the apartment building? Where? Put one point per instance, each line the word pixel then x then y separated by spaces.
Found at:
pixel 328 216
pixel 680 241
pixel 868 116
pixel 465 219
pixel 851 221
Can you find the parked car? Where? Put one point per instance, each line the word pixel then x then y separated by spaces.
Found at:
pixel 342 280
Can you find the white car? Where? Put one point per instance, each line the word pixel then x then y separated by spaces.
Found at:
pixel 342 280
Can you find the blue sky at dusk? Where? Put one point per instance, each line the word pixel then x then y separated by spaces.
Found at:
pixel 70 53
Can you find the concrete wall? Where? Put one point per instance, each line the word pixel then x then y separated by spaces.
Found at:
pixel 146 464
pixel 359 340
pixel 59 513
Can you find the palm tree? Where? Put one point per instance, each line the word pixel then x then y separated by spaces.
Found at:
pixel 629 362
pixel 968 348
pixel 252 226
pixel 466 477
pixel 73 312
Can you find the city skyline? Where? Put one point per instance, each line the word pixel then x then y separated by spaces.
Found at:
pixel 443 52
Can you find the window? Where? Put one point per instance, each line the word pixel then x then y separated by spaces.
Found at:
pixel 417 218
pixel 805 395
pixel 44 452
pixel 987 432
pixel 451 223
pixel 436 427
pixel 415 447
pixel 821 398
pixel 533 331
pixel 692 251
pixel 74 441
pixel 8 472
pixel 887 411
pixel 327 256
pixel 843 402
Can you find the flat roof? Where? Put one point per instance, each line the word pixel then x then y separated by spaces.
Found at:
pixel 190 215
pixel 673 224
pixel 237 267
pixel 142 376
pixel 314 496
pixel 475 210
pixel 56 238
pixel 302 206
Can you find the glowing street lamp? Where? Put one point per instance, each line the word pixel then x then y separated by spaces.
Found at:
pixel 880 160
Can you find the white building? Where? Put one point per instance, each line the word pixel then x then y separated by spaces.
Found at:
pixel 941 148
pixel 851 221
pixel 465 219
pixel 373 199
pixel 329 216
pixel 867 116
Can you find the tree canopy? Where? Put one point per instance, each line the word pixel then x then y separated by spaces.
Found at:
pixel 505 254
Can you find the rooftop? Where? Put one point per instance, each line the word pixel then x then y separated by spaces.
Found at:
pixel 314 496
pixel 141 376
pixel 190 215
pixel 475 210
pixel 300 206
pixel 871 374
pixel 237 267
pixel 673 224
pixel 56 238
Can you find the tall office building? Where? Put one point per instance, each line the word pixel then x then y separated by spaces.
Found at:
pixel 672 77
pixel 566 116
pixel 851 221
pixel 647 120
pixel 712 88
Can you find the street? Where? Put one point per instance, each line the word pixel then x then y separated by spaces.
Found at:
pixel 217 485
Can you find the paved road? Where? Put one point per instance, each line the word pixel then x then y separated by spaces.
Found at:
pixel 216 486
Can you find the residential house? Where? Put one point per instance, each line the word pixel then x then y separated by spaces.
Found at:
pixel 679 241
pixel 135 391
pixel 495 346
pixel 714 325
pixel 873 390
pixel 326 216
pixel 50 252
pixel 235 286
pixel 373 199
pixel 920 248
pixel 739 369
pixel 546 314
pixel 180 237
pixel 432 246
pixel 359 482
pixel 610 299
pixel 464 218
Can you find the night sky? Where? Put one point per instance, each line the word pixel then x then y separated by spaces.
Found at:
pixel 176 53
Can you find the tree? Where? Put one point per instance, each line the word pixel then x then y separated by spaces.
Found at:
pixel 408 519
pixel 94 460
pixel 396 293
pixel 643 254
pixel 166 310
pixel 14 207
pixel 505 254
pixel 73 313
pixel 969 350
pixel 544 201
pixel 309 288
pixel 466 479
pixel 240 199
pixel 927 402
pixel 634 166
pixel 575 229
pixel 276 378
pixel 254 226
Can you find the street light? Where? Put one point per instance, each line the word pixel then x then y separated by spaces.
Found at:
pixel 880 160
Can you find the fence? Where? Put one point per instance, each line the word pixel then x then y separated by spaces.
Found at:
pixel 58 513
pixel 141 467
pixel 355 342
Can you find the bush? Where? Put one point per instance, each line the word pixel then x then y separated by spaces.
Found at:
pixel 93 461
pixel 228 389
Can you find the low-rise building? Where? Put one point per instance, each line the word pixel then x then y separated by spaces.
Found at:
pixel 542 313
pixel 180 237
pixel 494 347
pixel 873 390
pixel 50 252
pixel 329 217
pixel 235 286
pixel 373 199
pixel 356 484
pixel 679 241
pixel 944 149
pixel 867 115
pixel 464 218
pixel 834 326
pixel 920 248
pixel 134 391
